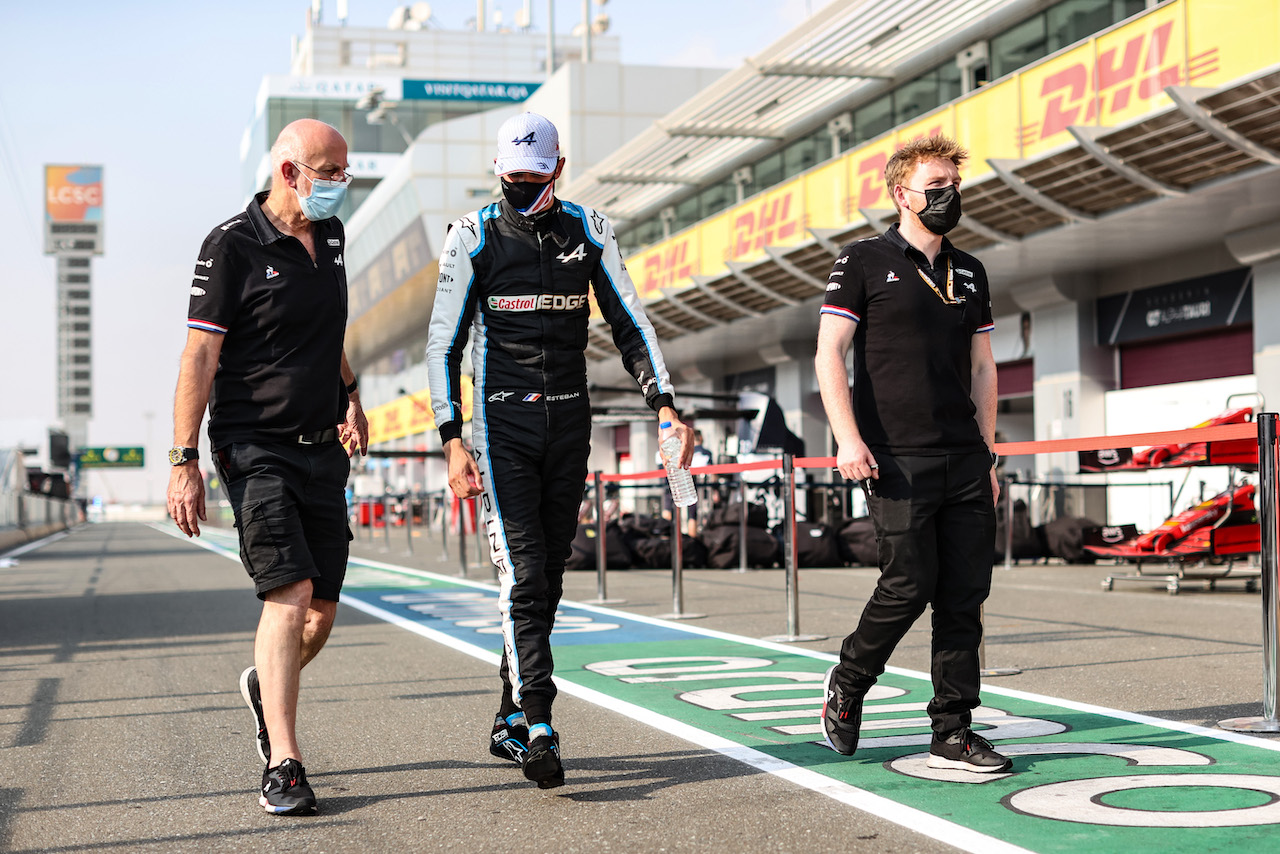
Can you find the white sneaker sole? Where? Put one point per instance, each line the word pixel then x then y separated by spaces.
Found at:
pixel 935 761
pixel 244 692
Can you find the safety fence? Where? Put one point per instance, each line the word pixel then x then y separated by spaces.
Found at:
pixel 27 515
pixel 439 513
pixel 1263 431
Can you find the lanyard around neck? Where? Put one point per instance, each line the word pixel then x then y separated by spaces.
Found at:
pixel 950 296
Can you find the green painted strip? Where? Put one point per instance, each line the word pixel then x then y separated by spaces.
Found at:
pixel 1084 778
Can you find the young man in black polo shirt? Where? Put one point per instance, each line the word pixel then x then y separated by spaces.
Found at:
pixel 267 317
pixel 918 434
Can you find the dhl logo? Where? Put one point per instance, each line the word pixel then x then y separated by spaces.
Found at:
pixel 420 416
pixel 391 419
pixel 1139 69
pixel 767 222
pixel 871 192
pixel 665 267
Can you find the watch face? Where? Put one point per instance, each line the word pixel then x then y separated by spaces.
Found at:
pixel 175 456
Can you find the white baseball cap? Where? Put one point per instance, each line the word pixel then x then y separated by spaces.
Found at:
pixel 527 143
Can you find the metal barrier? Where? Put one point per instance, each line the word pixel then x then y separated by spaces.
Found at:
pixel 677 570
pixel 789 557
pixel 1267 502
pixel 602 551
pixel 1267 520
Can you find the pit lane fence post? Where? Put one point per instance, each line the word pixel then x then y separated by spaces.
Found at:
pixel 1267 521
pixel 602 551
pixel 677 569
pixel 790 562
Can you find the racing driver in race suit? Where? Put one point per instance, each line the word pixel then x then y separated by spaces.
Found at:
pixel 515 276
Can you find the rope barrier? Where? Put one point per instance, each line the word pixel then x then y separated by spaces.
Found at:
pixel 1263 431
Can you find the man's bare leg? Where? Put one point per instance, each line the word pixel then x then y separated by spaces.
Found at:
pixel 316 630
pixel 277 653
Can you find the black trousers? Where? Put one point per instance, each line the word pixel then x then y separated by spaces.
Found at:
pixel 533 462
pixel 935 524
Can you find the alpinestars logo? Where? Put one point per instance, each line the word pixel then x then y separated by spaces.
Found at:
pixel 271 272
pixel 892 277
pixel 528 140
pixel 579 254
pixel 500 396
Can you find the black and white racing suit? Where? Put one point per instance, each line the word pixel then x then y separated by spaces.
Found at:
pixel 521 285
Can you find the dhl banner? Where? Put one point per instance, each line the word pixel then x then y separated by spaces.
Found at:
pixel 1113 79
pixel 409 415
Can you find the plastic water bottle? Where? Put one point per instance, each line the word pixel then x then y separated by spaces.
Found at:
pixel 683 492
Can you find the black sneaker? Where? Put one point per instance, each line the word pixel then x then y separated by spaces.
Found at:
pixel 965 750
pixel 510 738
pixel 253 696
pixel 542 762
pixel 285 790
pixel 841 716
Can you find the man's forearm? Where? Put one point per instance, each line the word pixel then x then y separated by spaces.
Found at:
pixel 984 402
pixel 833 385
pixel 195 379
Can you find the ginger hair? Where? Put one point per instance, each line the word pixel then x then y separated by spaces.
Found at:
pixel 904 162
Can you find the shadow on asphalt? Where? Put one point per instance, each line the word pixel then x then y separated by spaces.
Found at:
pixel 590 779
pixel 69 621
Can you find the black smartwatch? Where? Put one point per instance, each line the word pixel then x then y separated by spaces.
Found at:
pixel 179 455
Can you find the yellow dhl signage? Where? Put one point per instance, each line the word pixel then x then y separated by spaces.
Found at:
pixel 1112 79
pixel 409 415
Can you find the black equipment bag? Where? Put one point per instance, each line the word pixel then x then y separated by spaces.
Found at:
pixel 817 545
pixel 582 556
pixel 857 538
pixel 722 547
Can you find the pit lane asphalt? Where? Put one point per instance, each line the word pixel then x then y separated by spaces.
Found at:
pixel 122 729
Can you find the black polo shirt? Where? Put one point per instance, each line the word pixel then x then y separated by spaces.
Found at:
pixel 283 317
pixel 911 376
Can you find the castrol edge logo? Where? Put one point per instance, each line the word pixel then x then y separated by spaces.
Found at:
pixel 538 302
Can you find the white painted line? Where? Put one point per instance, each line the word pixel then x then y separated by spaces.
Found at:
pixel 1132 717
pixel 35 544
pixel 908 817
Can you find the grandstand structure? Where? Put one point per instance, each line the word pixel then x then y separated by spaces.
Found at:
pixel 1122 192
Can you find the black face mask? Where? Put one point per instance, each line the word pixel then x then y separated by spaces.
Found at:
pixel 942 209
pixel 522 194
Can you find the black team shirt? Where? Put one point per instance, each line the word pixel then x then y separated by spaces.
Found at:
pixel 911 374
pixel 283 318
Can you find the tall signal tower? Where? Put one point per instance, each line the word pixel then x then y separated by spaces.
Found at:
pixel 73 234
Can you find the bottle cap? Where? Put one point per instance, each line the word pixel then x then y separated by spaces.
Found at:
pixel 664 425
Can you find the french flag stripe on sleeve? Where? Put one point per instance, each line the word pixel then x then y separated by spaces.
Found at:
pixel 841 312
pixel 986 328
pixel 206 325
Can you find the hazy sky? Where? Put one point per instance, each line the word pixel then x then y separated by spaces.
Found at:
pixel 159 93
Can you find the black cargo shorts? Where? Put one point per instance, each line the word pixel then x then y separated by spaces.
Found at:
pixel 290 508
